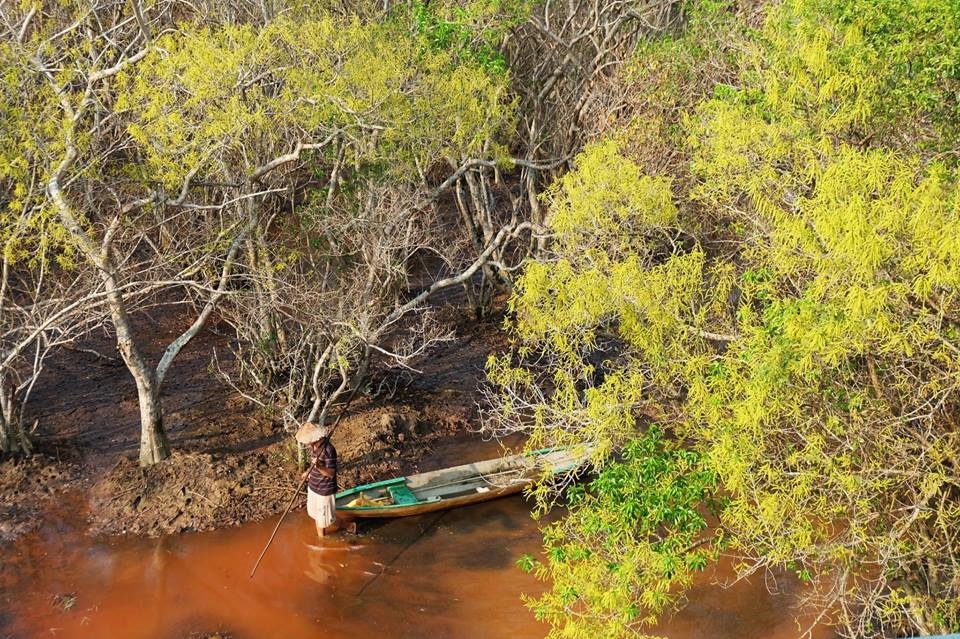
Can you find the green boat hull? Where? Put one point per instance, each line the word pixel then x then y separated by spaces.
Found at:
pixel 458 486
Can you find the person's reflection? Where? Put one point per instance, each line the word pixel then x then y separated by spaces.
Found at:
pixel 321 566
pixel 328 559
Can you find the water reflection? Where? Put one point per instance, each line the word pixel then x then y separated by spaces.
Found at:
pixel 442 575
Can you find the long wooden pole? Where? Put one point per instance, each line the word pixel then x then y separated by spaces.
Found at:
pixel 296 493
pixel 293 500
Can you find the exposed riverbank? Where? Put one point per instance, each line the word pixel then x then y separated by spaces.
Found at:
pixel 27 488
pixel 232 463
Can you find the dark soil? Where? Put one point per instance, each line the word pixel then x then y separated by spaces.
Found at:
pixel 27 488
pixel 202 491
pixel 231 464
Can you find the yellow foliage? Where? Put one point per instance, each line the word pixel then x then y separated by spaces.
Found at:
pixel 815 369
pixel 607 199
pixel 30 135
pixel 240 94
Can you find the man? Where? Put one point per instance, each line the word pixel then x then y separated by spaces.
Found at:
pixel 321 478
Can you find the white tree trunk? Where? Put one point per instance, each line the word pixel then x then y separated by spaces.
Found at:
pixel 5 438
pixel 13 437
pixel 153 438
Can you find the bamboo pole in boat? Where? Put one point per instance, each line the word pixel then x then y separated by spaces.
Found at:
pixel 520 472
pixel 463 480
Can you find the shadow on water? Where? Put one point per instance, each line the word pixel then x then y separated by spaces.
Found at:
pixel 497 521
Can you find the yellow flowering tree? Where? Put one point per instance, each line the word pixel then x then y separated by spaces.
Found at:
pixel 177 161
pixel 790 323
pixel 351 117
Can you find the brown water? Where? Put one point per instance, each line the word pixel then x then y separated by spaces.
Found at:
pixel 443 575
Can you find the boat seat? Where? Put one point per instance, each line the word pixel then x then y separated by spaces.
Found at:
pixel 402 495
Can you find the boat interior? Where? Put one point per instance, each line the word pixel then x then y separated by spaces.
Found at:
pixel 458 481
pixel 440 485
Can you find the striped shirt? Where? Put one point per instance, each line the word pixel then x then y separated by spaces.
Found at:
pixel 326 456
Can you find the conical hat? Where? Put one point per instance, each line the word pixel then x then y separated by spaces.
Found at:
pixel 310 432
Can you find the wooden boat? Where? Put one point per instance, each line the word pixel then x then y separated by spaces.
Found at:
pixel 457 486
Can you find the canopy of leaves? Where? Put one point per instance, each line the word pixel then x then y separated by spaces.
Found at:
pixel 812 369
pixel 472 30
pixel 638 540
pixel 30 124
pixel 238 95
pixel 866 68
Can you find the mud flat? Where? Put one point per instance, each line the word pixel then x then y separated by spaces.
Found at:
pixel 28 487
pixel 232 462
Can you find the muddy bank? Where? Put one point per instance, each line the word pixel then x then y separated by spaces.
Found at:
pixel 232 462
pixel 203 491
pixel 189 491
pixel 28 487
